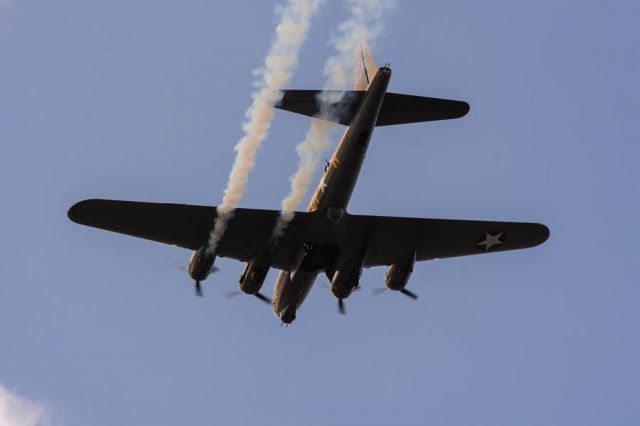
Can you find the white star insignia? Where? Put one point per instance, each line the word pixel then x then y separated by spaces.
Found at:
pixel 491 240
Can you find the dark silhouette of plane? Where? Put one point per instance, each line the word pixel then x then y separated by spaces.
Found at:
pixel 325 238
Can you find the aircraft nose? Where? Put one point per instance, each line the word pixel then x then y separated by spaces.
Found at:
pixel 288 314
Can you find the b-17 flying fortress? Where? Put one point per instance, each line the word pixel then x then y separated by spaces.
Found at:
pixel 325 239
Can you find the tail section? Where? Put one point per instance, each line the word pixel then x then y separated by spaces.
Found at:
pixel 405 109
pixel 396 108
pixel 364 67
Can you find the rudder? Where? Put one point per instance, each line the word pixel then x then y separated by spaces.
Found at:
pixel 364 67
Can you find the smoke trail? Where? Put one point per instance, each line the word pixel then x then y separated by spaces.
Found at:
pixel 309 152
pixel 364 23
pixel 276 73
pixel 16 410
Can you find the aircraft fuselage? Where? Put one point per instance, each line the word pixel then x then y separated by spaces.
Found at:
pixel 331 198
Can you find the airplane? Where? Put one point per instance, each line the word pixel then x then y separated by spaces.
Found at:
pixel 326 238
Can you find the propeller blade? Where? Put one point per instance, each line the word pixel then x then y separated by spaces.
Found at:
pixel 341 309
pixel 198 289
pixel 232 294
pixel 378 291
pixel 264 298
pixel 410 294
pixel 184 268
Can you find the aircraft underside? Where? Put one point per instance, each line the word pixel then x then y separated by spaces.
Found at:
pixel 325 239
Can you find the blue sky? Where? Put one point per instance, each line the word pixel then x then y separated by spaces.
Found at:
pixel 143 100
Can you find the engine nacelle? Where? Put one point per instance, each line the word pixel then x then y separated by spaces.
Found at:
pixel 343 283
pixel 254 275
pixel 201 263
pixel 345 280
pixel 398 274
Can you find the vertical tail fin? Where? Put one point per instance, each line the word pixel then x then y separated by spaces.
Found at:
pixel 364 66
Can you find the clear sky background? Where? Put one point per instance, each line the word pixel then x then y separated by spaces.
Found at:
pixel 143 100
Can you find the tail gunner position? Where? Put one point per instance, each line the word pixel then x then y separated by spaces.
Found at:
pixel 325 239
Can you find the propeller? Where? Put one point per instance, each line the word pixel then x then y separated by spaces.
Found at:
pixel 198 285
pixel 341 309
pixel 199 292
pixel 409 294
pixel 264 298
pixel 182 267
pixel 378 291
pixel 260 296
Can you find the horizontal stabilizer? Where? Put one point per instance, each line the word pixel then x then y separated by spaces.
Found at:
pixel 396 108
pixel 306 102
pixel 403 109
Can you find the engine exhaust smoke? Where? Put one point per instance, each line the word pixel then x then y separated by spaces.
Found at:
pixel 276 73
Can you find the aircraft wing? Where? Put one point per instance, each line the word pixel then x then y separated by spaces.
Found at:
pixel 389 238
pixel 189 226
pixel 393 238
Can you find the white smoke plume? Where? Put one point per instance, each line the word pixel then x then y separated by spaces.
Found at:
pixel 276 73
pixel 18 411
pixel 316 142
pixel 364 23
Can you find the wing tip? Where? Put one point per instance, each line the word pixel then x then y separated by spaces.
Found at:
pixel 75 212
pixel 81 211
pixel 458 108
pixel 463 108
pixel 541 233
